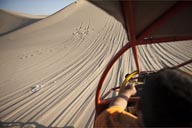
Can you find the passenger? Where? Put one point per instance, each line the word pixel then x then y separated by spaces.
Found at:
pixel 166 101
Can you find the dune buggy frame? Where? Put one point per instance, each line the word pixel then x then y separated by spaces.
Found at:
pixel 141 39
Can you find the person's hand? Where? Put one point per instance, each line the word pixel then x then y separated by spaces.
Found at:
pixel 130 89
pixel 123 97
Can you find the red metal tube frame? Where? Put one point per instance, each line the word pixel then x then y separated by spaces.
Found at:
pixel 182 64
pixel 157 23
pixel 164 40
pixel 110 64
pixel 162 19
pixel 128 13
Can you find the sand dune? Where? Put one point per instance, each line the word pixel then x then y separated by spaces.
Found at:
pixel 11 21
pixel 50 69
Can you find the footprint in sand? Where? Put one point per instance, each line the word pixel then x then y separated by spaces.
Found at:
pixel 38 52
pixel 21 58
pixel 50 50
pixel 32 54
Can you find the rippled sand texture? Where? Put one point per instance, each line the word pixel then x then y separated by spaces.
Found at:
pixel 49 70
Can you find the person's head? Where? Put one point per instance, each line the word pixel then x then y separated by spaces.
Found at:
pixel 166 99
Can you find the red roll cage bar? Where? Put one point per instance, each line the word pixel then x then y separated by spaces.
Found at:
pixel 141 39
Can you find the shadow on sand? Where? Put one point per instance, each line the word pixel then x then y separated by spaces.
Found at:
pixel 26 125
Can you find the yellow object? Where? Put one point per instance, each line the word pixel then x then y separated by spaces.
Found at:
pixel 127 80
pixel 116 117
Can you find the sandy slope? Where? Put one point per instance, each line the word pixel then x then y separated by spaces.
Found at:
pixel 11 21
pixel 64 56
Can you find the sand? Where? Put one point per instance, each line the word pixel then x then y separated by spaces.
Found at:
pixel 11 21
pixel 49 70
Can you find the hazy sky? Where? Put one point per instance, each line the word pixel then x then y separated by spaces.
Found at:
pixel 36 7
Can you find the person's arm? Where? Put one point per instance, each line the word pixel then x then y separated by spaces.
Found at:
pixel 115 116
pixel 122 99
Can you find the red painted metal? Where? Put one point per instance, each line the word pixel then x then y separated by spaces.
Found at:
pixel 100 105
pixel 129 18
pixel 136 57
pixel 162 19
pixel 140 38
pixel 164 40
pixel 182 64
pixel 110 64
pixel 112 89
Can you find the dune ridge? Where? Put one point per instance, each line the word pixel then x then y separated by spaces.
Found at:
pixel 11 21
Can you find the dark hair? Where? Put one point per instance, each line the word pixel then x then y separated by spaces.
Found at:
pixel 166 99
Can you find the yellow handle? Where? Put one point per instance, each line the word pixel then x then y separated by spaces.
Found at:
pixel 127 80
